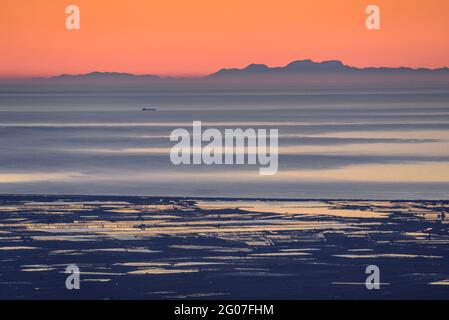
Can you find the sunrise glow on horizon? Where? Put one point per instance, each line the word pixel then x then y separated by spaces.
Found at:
pixel 189 38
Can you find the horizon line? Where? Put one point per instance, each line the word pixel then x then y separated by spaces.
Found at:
pixel 203 75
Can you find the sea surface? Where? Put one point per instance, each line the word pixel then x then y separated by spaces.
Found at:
pixel 332 145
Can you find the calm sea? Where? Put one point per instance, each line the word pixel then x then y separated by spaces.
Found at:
pixel 377 145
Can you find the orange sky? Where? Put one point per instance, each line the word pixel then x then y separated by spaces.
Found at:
pixel 180 37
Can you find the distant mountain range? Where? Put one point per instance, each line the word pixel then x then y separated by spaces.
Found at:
pixel 301 74
pixel 299 67
pixel 105 75
pixel 309 67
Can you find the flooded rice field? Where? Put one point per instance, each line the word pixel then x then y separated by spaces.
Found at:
pixel 175 248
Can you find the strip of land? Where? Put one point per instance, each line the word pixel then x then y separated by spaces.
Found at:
pixel 174 248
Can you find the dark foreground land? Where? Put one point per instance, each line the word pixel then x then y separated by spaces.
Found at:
pixel 167 248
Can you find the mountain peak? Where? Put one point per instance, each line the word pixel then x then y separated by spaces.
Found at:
pixel 297 66
pixel 256 67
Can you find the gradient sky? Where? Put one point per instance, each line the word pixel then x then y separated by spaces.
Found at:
pixel 178 37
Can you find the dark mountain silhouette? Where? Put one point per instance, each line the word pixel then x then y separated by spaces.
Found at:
pixel 299 67
pixel 297 74
pixel 105 75
pixel 310 67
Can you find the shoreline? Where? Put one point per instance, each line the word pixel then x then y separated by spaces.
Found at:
pixel 152 197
